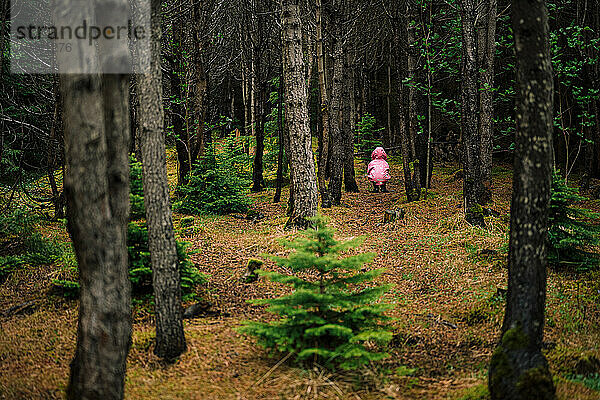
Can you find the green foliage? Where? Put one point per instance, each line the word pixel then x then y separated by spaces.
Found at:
pixel 478 392
pixel 367 135
pixel 66 288
pixel 331 315
pixel 219 183
pixel 590 381
pixel 572 237
pixel 140 267
pixel 21 243
pixel 136 190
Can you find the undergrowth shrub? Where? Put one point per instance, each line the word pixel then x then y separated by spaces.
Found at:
pixel 140 268
pixel 21 243
pixel 137 209
pixel 572 234
pixel 332 316
pixel 367 136
pixel 219 183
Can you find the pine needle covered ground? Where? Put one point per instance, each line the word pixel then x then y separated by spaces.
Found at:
pixel 448 279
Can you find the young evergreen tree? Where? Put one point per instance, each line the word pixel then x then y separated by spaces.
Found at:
pixel 330 316
pixel 570 232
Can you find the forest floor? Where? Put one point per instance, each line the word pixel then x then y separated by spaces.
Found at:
pixel 446 291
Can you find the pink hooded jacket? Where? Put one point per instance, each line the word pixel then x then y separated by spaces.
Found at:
pixel 378 170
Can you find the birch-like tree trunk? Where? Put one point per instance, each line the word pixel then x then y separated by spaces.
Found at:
pixel 302 166
pixel 518 369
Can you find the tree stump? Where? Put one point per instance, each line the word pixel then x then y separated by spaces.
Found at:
pixel 250 275
pixel 393 215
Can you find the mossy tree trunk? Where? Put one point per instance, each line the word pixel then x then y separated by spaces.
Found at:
pixel 518 369
pixel 170 339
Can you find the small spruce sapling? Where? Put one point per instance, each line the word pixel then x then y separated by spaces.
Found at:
pixel 332 315
pixel 571 234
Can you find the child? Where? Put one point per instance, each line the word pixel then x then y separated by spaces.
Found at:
pixel 378 170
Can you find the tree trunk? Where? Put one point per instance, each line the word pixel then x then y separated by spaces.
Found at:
pixel 280 154
pixel 323 154
pixel 337 148
pixel 296 98
pixel 201 87
pixel 348 134
pixel 486 50
pixel 518 369
pixel 469 111
pixel 4 9
pixel 96 130
pixel 257 165
pixel 180 132
pixel 388 137
pixel 170 339
pixel 55 153
pixel 412 91
pixel 401 39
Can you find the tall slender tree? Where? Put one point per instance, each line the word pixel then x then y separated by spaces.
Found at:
pixel 486 51
pixel 324 98
pixel 350 184
pixel 170 338
pixel 518 369
pixel 469 111
pixel 299 148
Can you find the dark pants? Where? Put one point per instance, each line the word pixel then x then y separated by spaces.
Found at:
pixel 378 188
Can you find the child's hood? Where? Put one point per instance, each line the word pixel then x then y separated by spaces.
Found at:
pixel 379 153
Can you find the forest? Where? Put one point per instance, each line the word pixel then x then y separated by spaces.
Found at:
pixel 300 199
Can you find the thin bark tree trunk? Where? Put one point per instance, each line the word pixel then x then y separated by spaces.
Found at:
pixel 406 107
pixel 469 111
pixel 296 96
pixel 347 132
pixel 201 79
pixel 182 140
pixel 323 154
pixel 412 91
pixel 257 165
pixel 280 154
pixel 96 126
pixel 387 138
pixel 170 338
pixel 486 51
pixel 518 369
pixel 337 148
pixel 4 9
pixel 55 153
